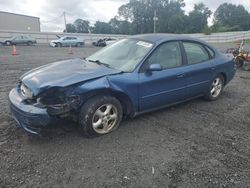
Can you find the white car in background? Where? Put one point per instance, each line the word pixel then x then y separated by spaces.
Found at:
pixel 109 41
pixel 67 41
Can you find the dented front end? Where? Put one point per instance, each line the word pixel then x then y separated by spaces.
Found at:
pixel 58 90
pixel 31 118
pixel 33 113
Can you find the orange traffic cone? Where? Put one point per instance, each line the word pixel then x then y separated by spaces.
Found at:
pixel 70 50
pixel 14 50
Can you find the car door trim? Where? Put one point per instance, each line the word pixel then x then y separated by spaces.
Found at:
pixel 162 92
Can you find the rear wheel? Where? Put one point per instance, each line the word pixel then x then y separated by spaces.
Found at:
pixel 29 43
pixel 246 66
pixel 216 88
pixel 100 115
pixel 8 43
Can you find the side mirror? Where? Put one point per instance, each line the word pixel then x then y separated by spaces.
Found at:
pixel 155 67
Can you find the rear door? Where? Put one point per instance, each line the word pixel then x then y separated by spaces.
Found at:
pixel 73 41
pixel 25 39
pixel 66 41
pixel 168 86
pixel 200 67
pixel 17 40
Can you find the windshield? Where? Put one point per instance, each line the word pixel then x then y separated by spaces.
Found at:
pixel 123 55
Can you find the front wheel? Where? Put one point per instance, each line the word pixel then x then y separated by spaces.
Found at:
pixel 100 115
pixel 59 44
pixel 216 88
pixel 79 44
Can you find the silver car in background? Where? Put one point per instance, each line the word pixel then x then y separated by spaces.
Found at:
pixel 20 39
pixel 67 41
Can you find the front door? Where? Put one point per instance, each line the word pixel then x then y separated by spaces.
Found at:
pixel 167 86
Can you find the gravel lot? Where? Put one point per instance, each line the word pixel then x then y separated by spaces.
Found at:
pixel 195 144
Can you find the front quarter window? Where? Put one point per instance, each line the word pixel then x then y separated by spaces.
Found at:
pixel 123 55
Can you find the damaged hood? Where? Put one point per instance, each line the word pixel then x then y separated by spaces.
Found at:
pixel 63 73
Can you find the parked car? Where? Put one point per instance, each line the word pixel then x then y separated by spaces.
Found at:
pixel 104 42
pixel 19 40
pixel 67 41
pixel 133 76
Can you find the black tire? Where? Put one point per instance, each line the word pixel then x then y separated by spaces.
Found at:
pixel 79 44
pixel 58 44
pixel 239 62
pixel 29 43
pixel 210 96
pixel 246 66
pixel 88 113
pixel 8 43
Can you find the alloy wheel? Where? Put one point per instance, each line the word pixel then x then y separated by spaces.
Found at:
pixel 216 87
pixel 105 118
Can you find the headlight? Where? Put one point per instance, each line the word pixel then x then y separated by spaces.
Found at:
pixel 25 91
pixel 57 101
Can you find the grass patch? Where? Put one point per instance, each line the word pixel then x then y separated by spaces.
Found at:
pixel 248 41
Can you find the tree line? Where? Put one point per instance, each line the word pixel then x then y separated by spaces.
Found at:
pixel 137 16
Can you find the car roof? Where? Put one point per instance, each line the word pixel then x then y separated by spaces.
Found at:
pixel 69 36
pixel 21 36
pixel 161 37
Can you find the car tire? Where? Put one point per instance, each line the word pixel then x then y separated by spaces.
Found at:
pixel 246 66
pixel 7 43
pixel 215 88
pixel 239 62
pixel 29 43
pixel 78 44
pixel 58 44
pixel 100 115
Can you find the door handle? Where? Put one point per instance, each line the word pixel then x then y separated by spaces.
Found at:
pixel 212 68
pixel 180 75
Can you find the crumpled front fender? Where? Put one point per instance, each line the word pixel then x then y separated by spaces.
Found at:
pixel 126 93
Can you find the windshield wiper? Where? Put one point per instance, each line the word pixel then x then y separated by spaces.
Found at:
pixel 98 62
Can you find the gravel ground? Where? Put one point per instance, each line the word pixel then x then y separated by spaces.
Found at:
pixel 195 144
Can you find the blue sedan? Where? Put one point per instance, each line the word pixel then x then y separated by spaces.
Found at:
pixel 135 75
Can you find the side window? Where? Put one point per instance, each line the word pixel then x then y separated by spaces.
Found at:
pixel 17 38
pixel 168 55
pixel 196 53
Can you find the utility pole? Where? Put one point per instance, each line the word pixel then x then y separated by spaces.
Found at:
pixel 155 19
pixel 64 15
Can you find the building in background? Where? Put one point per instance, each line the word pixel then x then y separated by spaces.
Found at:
pixel 18 22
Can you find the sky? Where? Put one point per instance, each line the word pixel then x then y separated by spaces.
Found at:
pixel 51 11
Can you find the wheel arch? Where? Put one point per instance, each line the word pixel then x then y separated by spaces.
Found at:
pixel 59 44
pixel 124 99
pixel 7 42
pixel 224 77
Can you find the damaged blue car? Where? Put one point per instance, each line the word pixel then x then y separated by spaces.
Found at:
pixel 135 75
